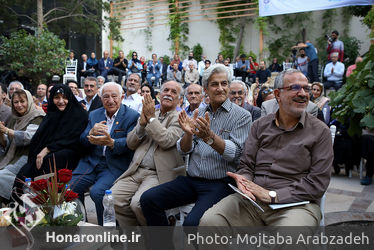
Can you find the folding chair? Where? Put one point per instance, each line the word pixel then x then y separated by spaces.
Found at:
pixel 70 71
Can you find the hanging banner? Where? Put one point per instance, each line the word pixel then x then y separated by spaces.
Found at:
pixel 278 7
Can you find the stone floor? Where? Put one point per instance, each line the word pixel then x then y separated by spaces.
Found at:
pixel 346 200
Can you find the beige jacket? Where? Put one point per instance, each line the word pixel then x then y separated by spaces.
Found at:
pixel 168 161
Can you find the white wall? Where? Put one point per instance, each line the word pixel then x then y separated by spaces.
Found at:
pixel 207 34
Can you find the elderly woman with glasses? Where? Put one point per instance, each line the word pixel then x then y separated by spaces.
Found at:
pixel 56 142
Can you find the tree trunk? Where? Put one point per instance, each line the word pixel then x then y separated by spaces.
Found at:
pixel 240 39
pixel 39 11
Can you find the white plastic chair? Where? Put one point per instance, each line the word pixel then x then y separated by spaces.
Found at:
pixel 70 71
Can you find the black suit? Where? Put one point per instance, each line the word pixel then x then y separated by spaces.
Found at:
pixel 88 72
pixel 164 72
pixel 96 103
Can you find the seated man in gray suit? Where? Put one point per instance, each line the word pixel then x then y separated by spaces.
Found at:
pixel 156 159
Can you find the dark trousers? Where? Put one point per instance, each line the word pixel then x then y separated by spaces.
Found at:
pixel 335 84
pixel 118 72
pixel 313 71
pixel 99 180
pixel 182 191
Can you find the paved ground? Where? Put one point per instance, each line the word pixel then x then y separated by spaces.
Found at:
pixel 346 200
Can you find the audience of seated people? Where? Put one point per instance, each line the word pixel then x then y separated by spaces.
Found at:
pixel 56 141
pixel 15 138
pixel 212 133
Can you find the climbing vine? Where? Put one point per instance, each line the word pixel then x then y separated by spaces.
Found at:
pixel 178 31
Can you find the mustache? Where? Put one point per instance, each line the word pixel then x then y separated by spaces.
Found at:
pixel 300 99
pixel 167 98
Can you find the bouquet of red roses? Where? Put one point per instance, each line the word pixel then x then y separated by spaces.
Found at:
pixel 55 199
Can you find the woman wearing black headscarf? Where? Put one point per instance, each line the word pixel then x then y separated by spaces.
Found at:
pixel 56 142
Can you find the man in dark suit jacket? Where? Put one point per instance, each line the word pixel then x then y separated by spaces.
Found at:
pixel 92 101
pixel 83 68
pixel 163 70
pixel 104 138
pixel 105 64
pixel 238 94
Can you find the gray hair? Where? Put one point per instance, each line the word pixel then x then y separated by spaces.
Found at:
pixel 91 79
pixel 279 80
pixel 101 77
pixel 241 83
pixel 107 84
pixel 15 82
pixel 214 69
pixel 179 86
pixel 200 88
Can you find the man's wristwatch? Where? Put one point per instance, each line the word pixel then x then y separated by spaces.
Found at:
pixel 273 196
pixel 210 140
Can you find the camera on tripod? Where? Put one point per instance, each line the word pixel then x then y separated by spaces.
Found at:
pixel 329 38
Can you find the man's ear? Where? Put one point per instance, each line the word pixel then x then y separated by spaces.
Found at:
pixel 277 94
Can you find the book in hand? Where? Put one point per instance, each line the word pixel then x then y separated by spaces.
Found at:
pixel 283 205
pixel 246 196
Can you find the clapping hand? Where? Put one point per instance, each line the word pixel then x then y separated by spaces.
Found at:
pixel 203 127
pixel 187 123
pixel 148 109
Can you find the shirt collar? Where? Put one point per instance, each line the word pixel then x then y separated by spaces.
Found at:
pixel 301 120
pixel 113 117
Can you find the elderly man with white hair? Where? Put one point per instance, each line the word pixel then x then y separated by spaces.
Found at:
pixel 238 95
pixel 13 86
pixel 334 72
pixel 105 141
pixel 214 139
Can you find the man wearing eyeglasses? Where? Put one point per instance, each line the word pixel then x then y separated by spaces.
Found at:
pixel 287 158
pixel 238 95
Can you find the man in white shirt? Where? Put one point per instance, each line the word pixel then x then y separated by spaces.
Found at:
pixel 334 72
pixel 132 99
pixel 186 62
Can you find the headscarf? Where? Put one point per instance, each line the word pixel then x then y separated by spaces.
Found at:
pixel 321 100
pixel 20 123
pixel 59 129
pixel 92 61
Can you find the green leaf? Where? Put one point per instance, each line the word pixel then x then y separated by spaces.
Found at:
pixel 368 121
pixel 371 83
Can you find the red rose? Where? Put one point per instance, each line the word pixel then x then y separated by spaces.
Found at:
pixel 70 195
pixel 39 199
pixel 64 175
pixel 39 185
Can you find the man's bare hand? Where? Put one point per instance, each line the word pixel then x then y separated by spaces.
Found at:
pixel 101 140
pixel 187 123
pixel 148 107
pixel 239 179
pixel 99 129
pixel 202 125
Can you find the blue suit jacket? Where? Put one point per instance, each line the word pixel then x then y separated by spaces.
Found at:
pixel 119 158
pixel 102 65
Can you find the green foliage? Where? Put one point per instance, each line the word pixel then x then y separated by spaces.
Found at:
pixel 359 11
pixel 369 21
pixel 354 102
pixel 37 58
pixel 351 49
pixel 178 30
pixel 197 51
pixel 166 59
pixel 60 17
pixel 291 28
pixel 129 55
